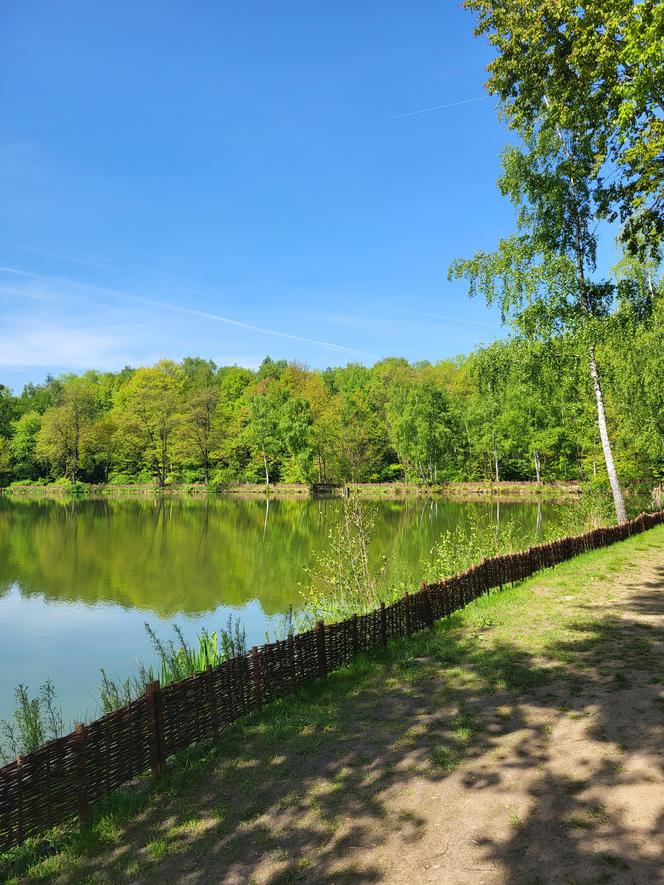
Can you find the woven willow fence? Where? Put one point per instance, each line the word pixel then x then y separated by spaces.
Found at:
pixel 64 777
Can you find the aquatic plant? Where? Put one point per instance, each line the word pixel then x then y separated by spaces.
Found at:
pixel 176 658
pixel 35 721
pixel 179 659
pixel 469 542
pixel 114 693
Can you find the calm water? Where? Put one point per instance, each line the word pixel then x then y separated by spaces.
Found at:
pixel 78 580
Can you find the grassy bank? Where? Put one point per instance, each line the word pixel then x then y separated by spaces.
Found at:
pixel 508 491
pixel 312 787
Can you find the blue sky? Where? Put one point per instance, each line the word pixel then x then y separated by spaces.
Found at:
pixel 167 167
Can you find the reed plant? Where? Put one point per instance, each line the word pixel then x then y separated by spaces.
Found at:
pixel 176 659
pixel 115 693
pixel 285 624
pixel 179 658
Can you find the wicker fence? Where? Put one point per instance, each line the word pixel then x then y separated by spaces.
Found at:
pixel 64 777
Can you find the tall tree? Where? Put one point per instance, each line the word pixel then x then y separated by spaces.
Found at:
pixel 65 425
pixel 541 277
pixel 5 459
pixel 572 85
pixel 199 430
pixel 9 410
pixel 147 414
pixel 423 430
pixel 23 445
pixel 264 427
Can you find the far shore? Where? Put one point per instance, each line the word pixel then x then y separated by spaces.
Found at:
pixel 517 490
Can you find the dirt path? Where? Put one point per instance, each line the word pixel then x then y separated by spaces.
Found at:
pixel 567 783
pixel 522 744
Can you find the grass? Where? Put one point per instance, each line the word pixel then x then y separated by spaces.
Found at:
pixel 327 755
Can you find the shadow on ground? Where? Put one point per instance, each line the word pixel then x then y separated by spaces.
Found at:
pixel 320 790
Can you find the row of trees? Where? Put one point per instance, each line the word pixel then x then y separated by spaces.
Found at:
pixel 517 409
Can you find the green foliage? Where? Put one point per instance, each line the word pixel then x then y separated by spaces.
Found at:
pixel 147 414
pixel 424 431
pixel 66 426
pixel 73 489
pixel 179 659
pixel 468 543
pixel 115 693
pixel 36 720
pixel 597 70
pixel 23 445
pixel 5 460
pixel 176 659
pixel 343 580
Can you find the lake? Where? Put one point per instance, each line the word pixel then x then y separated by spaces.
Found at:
pixel 79 579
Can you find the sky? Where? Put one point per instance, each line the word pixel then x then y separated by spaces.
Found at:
pixel 231 180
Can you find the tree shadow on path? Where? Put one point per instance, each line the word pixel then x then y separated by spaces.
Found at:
pixel 402 768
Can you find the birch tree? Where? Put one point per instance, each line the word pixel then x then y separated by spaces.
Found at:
pixel 542 276
pixel 582 85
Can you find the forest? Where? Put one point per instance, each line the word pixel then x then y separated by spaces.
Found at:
pixel 517 409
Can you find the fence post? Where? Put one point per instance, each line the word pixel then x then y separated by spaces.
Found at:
pixel 214 719
pixel 79 750
pixel 19 800
pixel 256 677
pixel 427 604
pixel 291 662
pixel 320 649
pixel 355 636
pixel 406 605
pixel 155 727
pixel 383 625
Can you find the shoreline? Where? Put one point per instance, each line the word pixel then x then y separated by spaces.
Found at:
pixel 507 490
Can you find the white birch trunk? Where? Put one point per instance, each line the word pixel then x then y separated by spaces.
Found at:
pixel 618 500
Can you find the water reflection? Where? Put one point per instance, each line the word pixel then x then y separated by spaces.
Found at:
pixel 78 579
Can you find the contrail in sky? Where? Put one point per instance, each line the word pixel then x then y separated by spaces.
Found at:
pixel 437 316
pixel 440 107
pixel 96 262
pixel 177 308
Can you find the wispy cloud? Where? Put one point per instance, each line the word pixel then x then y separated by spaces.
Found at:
pixel 33 294
pixel 437 316
pixel 74 259
pixel 180 309
pixel 440 107
pixel 43 344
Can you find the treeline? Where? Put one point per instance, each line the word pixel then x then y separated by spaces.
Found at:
pixel 515 410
